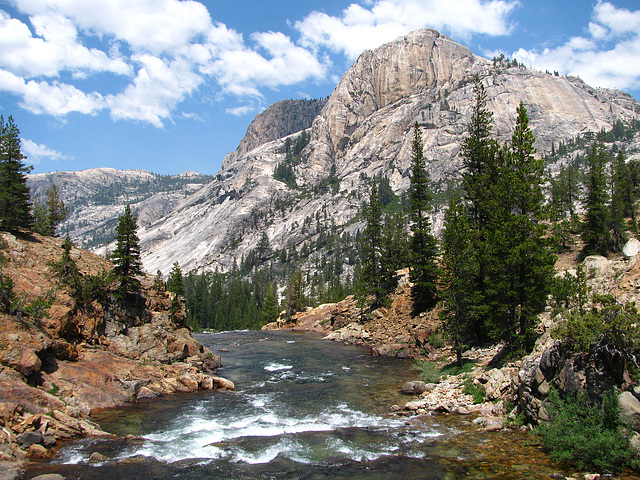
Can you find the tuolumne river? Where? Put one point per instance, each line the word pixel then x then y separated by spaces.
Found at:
pixel 304 408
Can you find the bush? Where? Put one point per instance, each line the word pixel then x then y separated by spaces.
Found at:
pixel 429 371
pixel 476 391
pixel 586 434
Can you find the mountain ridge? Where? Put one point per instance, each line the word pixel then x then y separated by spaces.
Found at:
pixel 362 131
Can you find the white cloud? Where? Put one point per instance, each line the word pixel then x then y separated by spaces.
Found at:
pixel 37 152
pixel 361 28
pixel 171 49
pixel 606 57
pixel 241 111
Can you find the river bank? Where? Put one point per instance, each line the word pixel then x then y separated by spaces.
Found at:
pixel 508 393
pixel 60 364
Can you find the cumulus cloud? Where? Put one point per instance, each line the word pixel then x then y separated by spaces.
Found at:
pixel 606 57
pixel 139 60
pixel 37 152
pixel 360 28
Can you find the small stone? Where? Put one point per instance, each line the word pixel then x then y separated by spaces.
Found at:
pixel 592 476
pixel 462 411
pixel 144 392
pixel 48 441
pixel 414 388
pixel 97 457
pixel 49 476
pixel 395 408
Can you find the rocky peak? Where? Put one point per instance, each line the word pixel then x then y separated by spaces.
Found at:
pixel 279 120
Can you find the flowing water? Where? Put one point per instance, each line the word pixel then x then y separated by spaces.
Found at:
pixel 304 408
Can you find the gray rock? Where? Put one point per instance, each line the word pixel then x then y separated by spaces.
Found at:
pixel 630 409
pixel 414 388
pixel 9 471
pixel 631 248
pixel 49 476
pixel 27 439
pixel 597 263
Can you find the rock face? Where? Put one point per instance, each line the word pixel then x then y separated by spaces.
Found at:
pixel 279 120
pixel 365 130
pixel 95 198
pixel 57 367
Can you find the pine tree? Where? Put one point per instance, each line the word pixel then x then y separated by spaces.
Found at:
pixel 126 256
pixel 457 277
pixel 621 201
pixel 15 201
pixel 372 275
pixel 525 258
pixel 424 248
pixel 481 160
pixel 50 213
pixel 270 309
pixel 595 233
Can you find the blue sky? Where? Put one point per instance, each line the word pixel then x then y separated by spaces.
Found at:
pixel 169 85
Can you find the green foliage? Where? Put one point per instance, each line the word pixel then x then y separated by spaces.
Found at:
pixel 284 171
pixel 175 284
pixel 15 201
pixel 126 256
pixel 585 433
pixel 457 277
pixel 608 326
pixel 476 391
pixel 595 234
pixel 424 248
pixel 570 291
pixel 370 287
pixel 83 289
pixel 49 213
pixel 428 371
pixel 7 293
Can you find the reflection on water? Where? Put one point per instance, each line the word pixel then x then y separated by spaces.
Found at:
pixel 304 408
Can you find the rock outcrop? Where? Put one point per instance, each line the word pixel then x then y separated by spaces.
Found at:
pixel 364 130
pixel 278 121
pixel 57 364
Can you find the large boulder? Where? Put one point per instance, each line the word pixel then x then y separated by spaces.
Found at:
pixel 631 248
pixel 598 264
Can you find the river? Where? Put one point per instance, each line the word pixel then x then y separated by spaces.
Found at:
pixel 304 408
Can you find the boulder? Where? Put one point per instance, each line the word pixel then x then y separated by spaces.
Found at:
pixel 631 248
pixel 414 388
pixel 27 439
pixel 599 264
pixel 630 409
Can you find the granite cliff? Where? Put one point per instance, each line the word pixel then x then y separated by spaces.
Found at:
pixel 365 130
pixel 362 130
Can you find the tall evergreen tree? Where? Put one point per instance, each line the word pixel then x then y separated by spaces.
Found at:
pixel 457 286
pixel 595 233
pixel 525 259
pixel 424 248
pixel 481 160
pixel 15 201
pixel 126 256
pixel 621 201
pixel 372 275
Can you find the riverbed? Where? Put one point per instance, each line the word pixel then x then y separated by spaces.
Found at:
pixel 304 408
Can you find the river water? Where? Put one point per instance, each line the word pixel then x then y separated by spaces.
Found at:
pixel 304 408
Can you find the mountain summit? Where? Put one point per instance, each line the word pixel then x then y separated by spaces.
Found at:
pixel 364 130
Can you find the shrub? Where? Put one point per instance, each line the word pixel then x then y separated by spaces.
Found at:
pixel 585 433
pixel 476 391
pixel 429 371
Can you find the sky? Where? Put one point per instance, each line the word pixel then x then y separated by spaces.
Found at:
pixel 169 86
